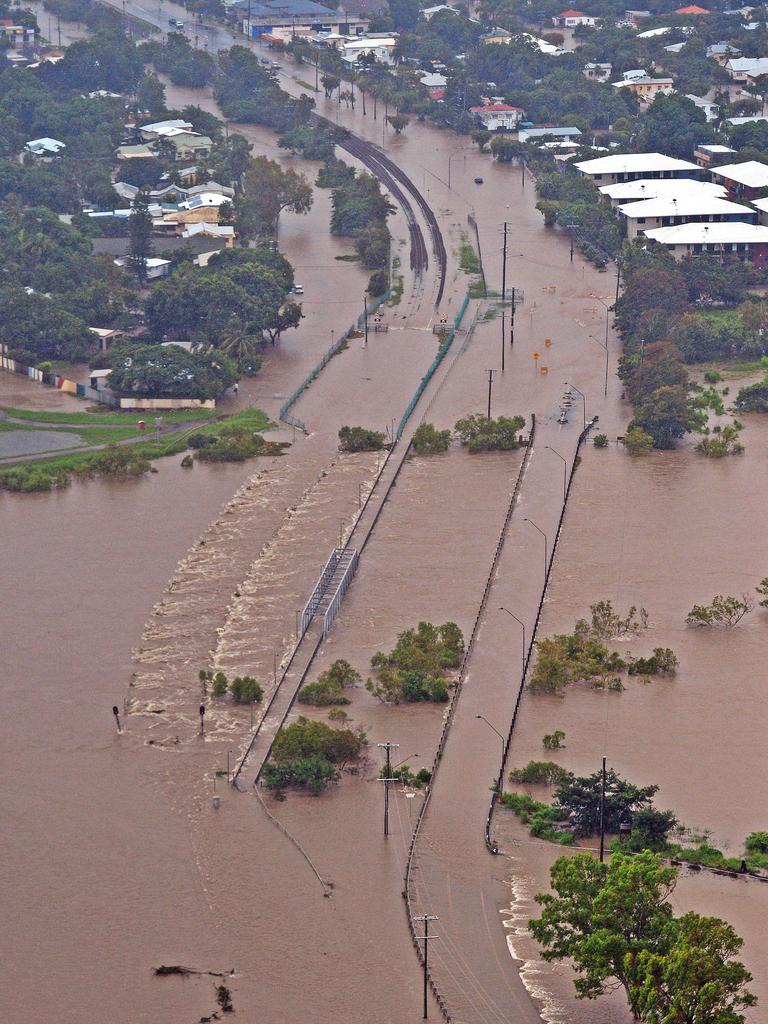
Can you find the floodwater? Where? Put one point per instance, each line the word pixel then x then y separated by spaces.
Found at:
pixel 117 860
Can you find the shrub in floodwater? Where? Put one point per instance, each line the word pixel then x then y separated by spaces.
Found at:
pixel 27 479
pixel 224 998
pixel 245 690
pixel 360 439
pixel 663 662
pixel 600 440
pixel 413 670
pixel 308 754
pixel 553 740
pixel 120 462
pixel 427 440
pixel 637 442
pixel 723 611
pixel 545 773
pixel 329 687
pixel 219 684
pixel 481 434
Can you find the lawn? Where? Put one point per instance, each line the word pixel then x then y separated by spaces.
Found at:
pixel 105 418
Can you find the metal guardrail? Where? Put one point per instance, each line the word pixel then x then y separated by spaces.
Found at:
pixel 532 641
pixel 443 352
pixel 321 586
pixel 343 586
pixel 452 711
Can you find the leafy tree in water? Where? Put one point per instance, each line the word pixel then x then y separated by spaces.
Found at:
pixel 668 415
pixel 169 371
pixel 150 95
pixel 427 440
pixel 360 439
pixel 140 236
pixel 723 611
pixel 580 799
pixel 696 978
pixel 603 916
pixel 267 191
pixel 637 442
pixel 480 434
pixel 245 690
pixel 399 122
pixel 614 922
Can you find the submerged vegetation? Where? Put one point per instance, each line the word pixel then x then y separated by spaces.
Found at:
pixel 310 755
pixel 415 669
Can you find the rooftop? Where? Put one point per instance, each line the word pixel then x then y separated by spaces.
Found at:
pixel 635 163
pixel 162 127
pixel 500 107
pixel 288 9
pixel 751 174
pixel 682 206
pixel 723 233
pixel 657 188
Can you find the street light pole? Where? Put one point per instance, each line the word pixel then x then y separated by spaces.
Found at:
pixel 503 748
pixel 365 318
pixel 602 815
pixel 565 468
pixel 583 399
pixel 504 266
pixel 521 624
pixel 546 544
pixel 503 336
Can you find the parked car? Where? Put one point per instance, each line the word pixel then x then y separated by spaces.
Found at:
pixel 298 289
pixel 478 181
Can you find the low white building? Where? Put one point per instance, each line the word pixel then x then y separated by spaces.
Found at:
pixel 707 153
pixel 710 110
pixel 498 116
pixel 739 240
pixel 647 214
pixel 743 180
pixel 573 18
pixel 428 13
pixel 45 149
pixel 380 45
pixel 607 170
pixel 156 267
pixel 159 129
pixel 746 69
pixel 538 134
pixel 597 72
pixel 661 188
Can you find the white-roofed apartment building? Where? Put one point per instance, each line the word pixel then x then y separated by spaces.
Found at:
pixel 608 170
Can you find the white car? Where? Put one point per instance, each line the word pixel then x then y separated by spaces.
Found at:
pixel 298 289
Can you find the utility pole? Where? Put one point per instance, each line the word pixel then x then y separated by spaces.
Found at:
pixel 602 815
pixel 58 27
pixel 202 719
pixel 503 336
pixel 365 318
pixel 512 322
pixel 504 266
pixel 389 747
pixel 426 918
pixel 116 713
pixel 490 389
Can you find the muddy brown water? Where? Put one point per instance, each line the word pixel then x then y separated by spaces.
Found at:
pixel 116 857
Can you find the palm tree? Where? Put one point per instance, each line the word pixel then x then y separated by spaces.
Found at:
pixel 241 346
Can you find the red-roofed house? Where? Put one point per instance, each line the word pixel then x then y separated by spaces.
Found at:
pixel 572 18
pixel 498 116
pixel 692 9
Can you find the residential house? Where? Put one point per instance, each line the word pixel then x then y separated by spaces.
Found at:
pixel 723 52
pixel 150 132
pixel 706 155
pixel 428 13
pixel 607 170
pixel 45 149
pixel 380 45
pixel 106 336
pixel 710 110
pixel 535 134
pixel 156 266
pixel 498 116
pixel 647 88
pixel 433 80
pixel 597 72
pixel 222 232
pixel 651 33
pixel 137 152
pixel 660 188
pixel 744 181
pixel 726 240
pixel 572 18
pixel 691 10
pixel 634 18
pixel 190 146
pixel 736 121
pixel 660 213
pixel 745 70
